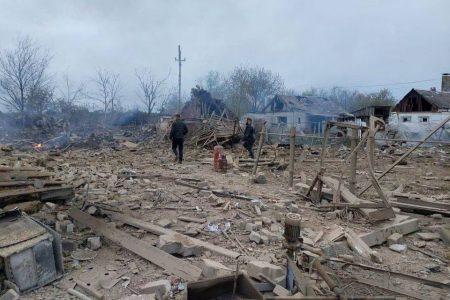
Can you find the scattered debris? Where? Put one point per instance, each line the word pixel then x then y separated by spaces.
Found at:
pixel 160 258
pixel 139 213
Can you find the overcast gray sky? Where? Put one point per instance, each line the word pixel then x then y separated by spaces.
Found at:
pixel 309 43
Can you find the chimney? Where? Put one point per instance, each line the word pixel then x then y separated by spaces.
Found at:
pixel 445 82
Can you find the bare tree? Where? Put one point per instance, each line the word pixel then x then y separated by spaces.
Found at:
pixel 262 85
pixel 245 88
pixel 107 88
pixel 23 76
pixel 169 103
pixel 150 89
pixel 214 83
pixel 69 93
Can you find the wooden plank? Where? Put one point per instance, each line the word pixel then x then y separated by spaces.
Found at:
pixel 346 125
pixel 156 176
pixel 144 249
pixel 160 231
pixel 415 199
pixel 433 283
pixel 358 245
pixel 352 205
pixel 15 183
pixel 346 195
pixel 379 236
pixel 13 169
pixel 404 206
pixel 217 193
pixel 192 219
pixel 426 210
pixel 23 175
pixel 28 191
pixel 392 288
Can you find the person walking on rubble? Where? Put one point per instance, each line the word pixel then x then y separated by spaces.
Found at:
pixel 249 137
pixel 177 134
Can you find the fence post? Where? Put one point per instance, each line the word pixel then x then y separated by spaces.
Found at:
pixel 291 156
pixel 262 135
pixel 354 141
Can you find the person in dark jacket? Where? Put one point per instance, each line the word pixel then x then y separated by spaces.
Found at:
pixel 249 137
pixel 177 134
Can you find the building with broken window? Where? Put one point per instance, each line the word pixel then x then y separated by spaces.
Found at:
pixel 420 111
pixel 308 114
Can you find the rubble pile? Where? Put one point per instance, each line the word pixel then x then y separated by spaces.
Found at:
pixel 130 224
pixel 30 186
pixel 216 131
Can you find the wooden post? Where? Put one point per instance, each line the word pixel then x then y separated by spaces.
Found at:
pixel 325 142
pixel 354 140
pixel 262 135
pixel 373 129
pixel 292 157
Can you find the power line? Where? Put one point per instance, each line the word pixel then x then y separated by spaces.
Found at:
pixel 389 84
pixel 376 85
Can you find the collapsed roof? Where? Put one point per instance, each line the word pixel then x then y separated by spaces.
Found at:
pixel 423 100
pixel 202 104
pixel 310 104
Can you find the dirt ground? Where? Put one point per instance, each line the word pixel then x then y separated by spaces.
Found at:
pixel 426 172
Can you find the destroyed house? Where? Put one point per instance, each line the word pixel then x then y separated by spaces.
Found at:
pixel 421 110
pixel 421 106
pixel 424 101
pixel 308 114
pixel 203 105
pixel 209 120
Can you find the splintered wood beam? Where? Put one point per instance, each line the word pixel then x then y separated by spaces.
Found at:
pixel 347 196
pixel 146 250
pixel 44 194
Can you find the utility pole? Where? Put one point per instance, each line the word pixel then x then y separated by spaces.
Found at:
pixel 179 60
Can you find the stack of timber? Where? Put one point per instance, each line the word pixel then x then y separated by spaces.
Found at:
pixel 29 183
pixel 216 131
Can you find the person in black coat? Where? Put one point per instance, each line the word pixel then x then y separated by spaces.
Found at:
pixel 177 134
pixel 249 137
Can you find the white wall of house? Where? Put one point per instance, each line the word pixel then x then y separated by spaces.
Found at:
pixel 280 123
pixel 420 118
pixel 281 119
pixel 416 125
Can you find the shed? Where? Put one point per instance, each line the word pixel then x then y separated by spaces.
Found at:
pixel 379 111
